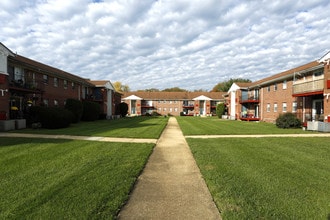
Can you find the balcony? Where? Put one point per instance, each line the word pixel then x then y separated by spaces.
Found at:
pixel 249 99
pixel 187 105
pixel 27 87
pixel 308 88
pixel 147 104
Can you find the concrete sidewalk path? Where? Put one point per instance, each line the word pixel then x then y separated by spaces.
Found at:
pixel 171 185
pixel 73 137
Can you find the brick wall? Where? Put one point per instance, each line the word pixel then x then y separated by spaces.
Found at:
pixel 276 94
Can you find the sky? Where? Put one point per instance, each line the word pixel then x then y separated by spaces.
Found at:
pixel 191 44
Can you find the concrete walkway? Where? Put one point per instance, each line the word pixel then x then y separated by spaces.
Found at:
pixel 171 185
pixel 86 138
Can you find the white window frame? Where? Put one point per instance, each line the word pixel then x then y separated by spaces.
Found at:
pixel 285 84
pixel 284 107
pixel 294 106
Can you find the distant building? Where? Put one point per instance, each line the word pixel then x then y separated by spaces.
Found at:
pixel 173 103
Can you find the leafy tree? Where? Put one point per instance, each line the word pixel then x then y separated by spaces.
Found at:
pixel 220 110
pixel 200 90
pixel 225 86
pixel 149 90
pixel 174 89
pixel 119 87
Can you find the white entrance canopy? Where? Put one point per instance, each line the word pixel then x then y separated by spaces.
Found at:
pixel 202 97
pixel 132 97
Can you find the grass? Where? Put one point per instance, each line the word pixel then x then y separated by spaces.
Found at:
pixel 267 178
pixel 135 127
pixel 62 179
pixel 216 126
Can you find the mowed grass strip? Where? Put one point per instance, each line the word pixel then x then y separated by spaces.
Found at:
pixel 267 178
pixel 133 127
pixel 216 126
pixel 62 179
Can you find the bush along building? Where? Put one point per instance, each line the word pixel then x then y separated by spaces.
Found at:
pixel 304 91
pixel 173 103
pixel 25 82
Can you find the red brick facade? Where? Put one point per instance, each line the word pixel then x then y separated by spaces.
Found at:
pixel 25 82
pixel 303 91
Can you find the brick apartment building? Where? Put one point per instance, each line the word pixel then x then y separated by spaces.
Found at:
pixel 25 82
pixel 173 103
pixel 303 90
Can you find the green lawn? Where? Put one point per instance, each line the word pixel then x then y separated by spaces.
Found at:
pixel 216 126
pixel 62 179
pixel 267 178
pixel 135 127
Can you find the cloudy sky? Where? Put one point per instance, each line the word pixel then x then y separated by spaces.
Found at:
pixel 191 44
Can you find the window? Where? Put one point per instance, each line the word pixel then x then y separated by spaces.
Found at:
pixel 294 107
pixel 55 82
pixel 65 84
pixel 45 101
pixel 171 102
pixel 284 84
pixel 55 102
pixel 268 88
pixel 164 109
pixel 275 87
pixel 175 109
pixel 164 101
pixel 171 110
pixel 275 107
pixel 318 73
pixel 284 107
pixel 45 78
pixel 268 107
pixel 72 85
pixel 159 109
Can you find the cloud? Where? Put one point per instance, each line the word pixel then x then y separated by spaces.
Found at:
pixel 162 44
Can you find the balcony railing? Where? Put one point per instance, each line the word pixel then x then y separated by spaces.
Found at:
pixel 308 87
pixel 249 99
pixel 28 86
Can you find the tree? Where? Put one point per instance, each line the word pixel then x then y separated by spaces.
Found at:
pixel 149 90
pixel 220 110
pixel 225 86
pixel 119 87
pixel 174 89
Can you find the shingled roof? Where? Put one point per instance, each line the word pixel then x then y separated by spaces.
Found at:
pixel 43 68
pixel 175 95
pixel 288 74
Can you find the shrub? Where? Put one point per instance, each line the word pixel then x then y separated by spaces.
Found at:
pixel 288 120
pixel 220 110
pixel 76 107
pixel 123 108
pixel 91 111
pixel 51 117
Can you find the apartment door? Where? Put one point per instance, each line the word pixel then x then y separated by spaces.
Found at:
pixel 133 106
pixel 201 107
pixel 317 111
